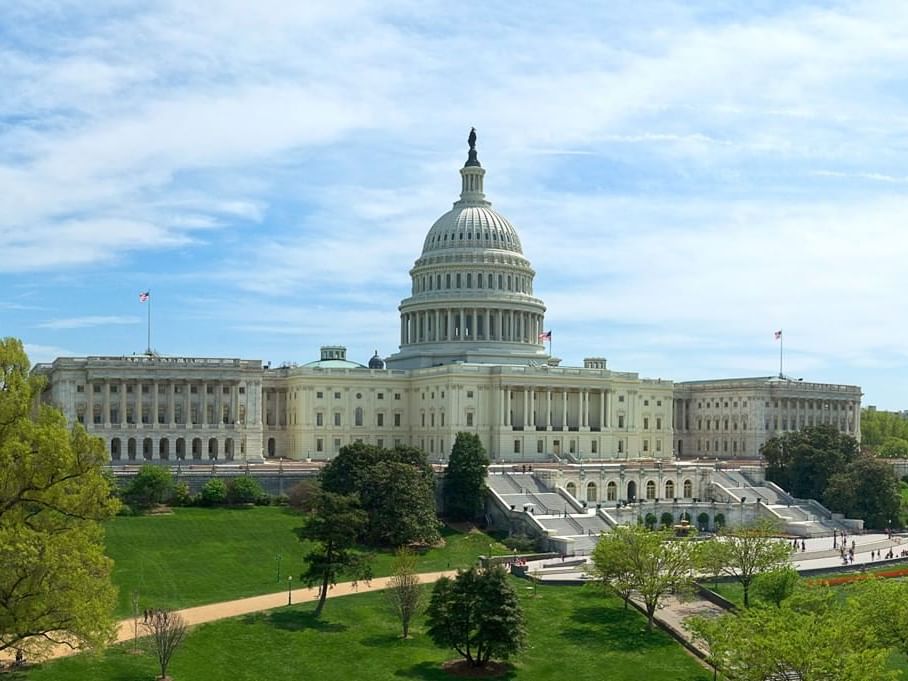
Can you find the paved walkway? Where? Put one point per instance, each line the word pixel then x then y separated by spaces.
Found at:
pixel 243 606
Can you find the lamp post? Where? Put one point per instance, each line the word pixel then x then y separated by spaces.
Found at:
pixel 278 567
pixel 289 582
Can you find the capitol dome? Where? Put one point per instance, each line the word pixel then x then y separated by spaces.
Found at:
pixel 472 295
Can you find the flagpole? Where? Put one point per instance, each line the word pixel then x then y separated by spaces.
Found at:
pixel 148 351
pixel 781 345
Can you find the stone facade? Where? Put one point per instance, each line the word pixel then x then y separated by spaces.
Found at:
pixel 471 358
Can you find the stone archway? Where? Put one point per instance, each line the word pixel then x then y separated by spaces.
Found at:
pixel 632 490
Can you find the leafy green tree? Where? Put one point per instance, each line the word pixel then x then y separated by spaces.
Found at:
pixel 653 563
pixel 477 614
pixel 404 592
pixel 881 607
pixel 711 558
pixel 181 495
pixel 395 487
pixel 213 493
pixel 334 526
pixel 54 577
pixel 749 550
pixel 302 495
pixel 877 426
pixel 803 461
pixel 776 585
pixel 825 642
pixel 244 490
pixel 894 448
pixel 152 485
pixel 666 520
pixel 612 567
pixel 465 478
pixel 400 503
pixel 868 489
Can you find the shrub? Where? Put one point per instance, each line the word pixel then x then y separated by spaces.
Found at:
pixel 181 495
pixel 302 495
pixel 214 493
pixel 520 543
pixel 244 490
pixel 279 500
pixel 667 520
pixel 152 485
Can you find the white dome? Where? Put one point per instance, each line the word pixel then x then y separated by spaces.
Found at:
pixel 472 226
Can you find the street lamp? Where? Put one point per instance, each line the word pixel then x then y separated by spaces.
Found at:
pixel 278 567
pixel 289 582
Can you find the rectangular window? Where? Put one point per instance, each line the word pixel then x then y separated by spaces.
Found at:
pixel 396 396
pixel 645 423
pixel 539 446
pixel 573 446
pixel 517 446
pixel 658 423
pixel 319 419
pixel 381 420
pixel 621 420
pixel 469 394
pixel 397 442
pixel 337 396
pixel 645 445
pixel 337 418
pixel 658 445
pixel 337 444
pixel 319 445
pixel 381 396
pixel 595 446
pixel 96 388
pixel 80 388
pixel 469 418
pixel 621 398
pixel 620 446
pixel 397 420
pixel 319 395
pixel 380 443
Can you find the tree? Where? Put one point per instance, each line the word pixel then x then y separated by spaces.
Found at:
pixel 877 426
pixel 335 524
pixel 465 478
pixel 666 520
pixel 711 558
pixel 151 486
pixel 54 577
pixel 894 448
pixel 803 461
pixel 404 591
pixel 400 503
pixel 881 607
pixel 776 585
pixel 612 568
pixel 477 614
pixel 823 642
pixel 868 489
pixel 748 550
pixel 168 631
pixel 655 564
pixel 395 488
pixel 244 490
pixel 302 495
pixel 213 493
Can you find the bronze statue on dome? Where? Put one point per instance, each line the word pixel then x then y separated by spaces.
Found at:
pixel 471 140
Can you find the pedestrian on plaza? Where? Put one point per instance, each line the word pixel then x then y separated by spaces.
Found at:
pixel 803 545
pixel 852 544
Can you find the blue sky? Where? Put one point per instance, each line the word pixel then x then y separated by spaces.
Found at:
pixel 686 178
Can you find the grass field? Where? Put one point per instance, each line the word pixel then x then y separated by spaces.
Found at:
pixel 574 633
pixel 197 556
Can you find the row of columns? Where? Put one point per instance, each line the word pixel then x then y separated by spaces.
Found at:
pixel 530 411
pixel 457 324
pixel 167 448
pixel 796 408
pixel 170 400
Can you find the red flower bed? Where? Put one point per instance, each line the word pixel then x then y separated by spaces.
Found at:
pixel 848 579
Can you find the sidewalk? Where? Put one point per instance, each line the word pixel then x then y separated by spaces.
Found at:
pixel 243 606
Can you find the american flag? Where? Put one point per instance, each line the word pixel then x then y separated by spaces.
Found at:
pixel 778 334
pixel 545 336
pixel 144 296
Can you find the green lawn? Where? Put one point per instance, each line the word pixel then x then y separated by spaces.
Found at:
pixel 198 555
pixel 574 633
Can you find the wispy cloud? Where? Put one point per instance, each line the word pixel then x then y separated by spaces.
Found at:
pixel 87 322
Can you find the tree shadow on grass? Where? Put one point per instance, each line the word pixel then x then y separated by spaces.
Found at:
pixel 623 630
pixel 296 620
pixel 432 671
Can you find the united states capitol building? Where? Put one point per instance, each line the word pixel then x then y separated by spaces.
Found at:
pixel 471 358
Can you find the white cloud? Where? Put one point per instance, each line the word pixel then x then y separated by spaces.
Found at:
pixel 87 322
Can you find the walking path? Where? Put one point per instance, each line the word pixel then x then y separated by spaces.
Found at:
pixel 243 606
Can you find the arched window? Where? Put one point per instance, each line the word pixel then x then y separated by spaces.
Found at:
pixel 650 490
pixel 358 416
pixel 688 488
pixel 669 489
pixel 611 491
pixel 571 489
pixel 591 491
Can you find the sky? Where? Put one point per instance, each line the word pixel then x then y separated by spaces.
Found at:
pixel 686 177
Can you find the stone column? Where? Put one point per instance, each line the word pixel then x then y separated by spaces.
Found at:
pixel 106 413
pixel 122 402
pixel 171 403
pixel 154 404
pixel 90 415
pixel 548 409
pixel 187 406
pixel 526 407
pixel 601 409
pixel 139 410
pixel 203 405
pixel 532 407
pixel 608 408
pixel 218 408
pixel 488 324
pixel 564 422
pixel 507 406
pixel 501 419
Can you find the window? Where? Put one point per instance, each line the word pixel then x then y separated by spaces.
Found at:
pixel 669 489
pixel 319 395
pixel 96 388
pixel 595 446
pixel 645 423
pixel 688 488
pixel 658 445
pixel 396 396
pixel 620 446
pixel 337 396
pixel 319 419
pixel 517 446
pixel 646 445
pixel 658 403
pixel 442 419
pixel 358 416
pixel 650 490
pixel 469 394
pixel 380 443
pixel 469 418
pixel 337 444
pixel 380 420
pixel 424 419
pixel 319 444
pixel 80 388
pixel 380 396
pixel 621 398
pixel 397 420
pixel 645 403
pixel 621 420
pixel 337 418
pixel 611 491
pixel 359 396
pixel 658 423
pixel 539 446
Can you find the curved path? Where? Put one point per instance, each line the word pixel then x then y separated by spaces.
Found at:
pixel 243 606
